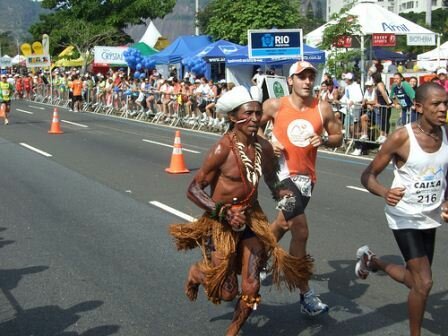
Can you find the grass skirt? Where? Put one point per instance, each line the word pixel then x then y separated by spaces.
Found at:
pixel 286 269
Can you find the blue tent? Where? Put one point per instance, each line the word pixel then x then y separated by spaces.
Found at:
pixel 310 54
pixel 183 46
pixel 220 50
pixel 386 54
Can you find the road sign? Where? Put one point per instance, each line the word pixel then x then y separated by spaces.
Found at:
pixel 275 43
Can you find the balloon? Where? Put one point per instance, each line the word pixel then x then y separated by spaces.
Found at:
pixel 139 66
pixel 142 76
pixel 136 74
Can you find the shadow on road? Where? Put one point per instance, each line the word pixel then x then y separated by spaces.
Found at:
pixel 344 288
pixel 53 320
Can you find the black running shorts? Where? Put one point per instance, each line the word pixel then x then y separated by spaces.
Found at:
pixel 416 243
pixel 301 201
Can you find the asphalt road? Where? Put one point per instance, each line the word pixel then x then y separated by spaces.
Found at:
pixel 84 248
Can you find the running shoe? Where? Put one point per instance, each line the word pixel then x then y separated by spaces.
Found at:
pixel 311 304
pixel 6 121
pixel 364 137
pixel 356 152
pixel 363 267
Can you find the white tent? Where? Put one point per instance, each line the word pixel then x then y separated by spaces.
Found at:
pixel 18 59
pixel 151 35
pixel 373 19
pixel 434 59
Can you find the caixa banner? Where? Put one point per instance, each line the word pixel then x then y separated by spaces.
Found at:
pixel 110 55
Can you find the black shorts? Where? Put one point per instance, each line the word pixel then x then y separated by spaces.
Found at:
pixel 416 243
pixel 77 98
pixel 300 203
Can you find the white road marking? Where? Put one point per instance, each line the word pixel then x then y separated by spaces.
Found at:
pixel 171 146
pixel 172 211
pixel 358 188
pixel 20 110
pixel 73 123
pixel 37 107
pixel 41 152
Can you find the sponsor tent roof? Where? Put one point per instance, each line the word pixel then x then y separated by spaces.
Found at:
pixel 220 50
pixel 183 46
pixel 373 19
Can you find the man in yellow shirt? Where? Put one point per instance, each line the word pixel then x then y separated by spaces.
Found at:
pixel 6 94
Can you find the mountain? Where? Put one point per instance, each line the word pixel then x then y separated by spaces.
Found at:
pixel 179 22
pixel 18 15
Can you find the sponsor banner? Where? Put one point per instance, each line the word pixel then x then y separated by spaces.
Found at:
pixel 275 43
pixel 37 61
pixel 384 40
pixel 110 55
pixel 344 42
pixel 277 86
pixel 421 39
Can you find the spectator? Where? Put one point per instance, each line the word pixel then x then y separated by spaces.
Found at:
pixel 257 79
pixel 352 99
pixel 369 109
pixel 441 79
pixel 383 104
pixel 403 95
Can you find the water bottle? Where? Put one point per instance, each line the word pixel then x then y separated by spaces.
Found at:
pixel 235 205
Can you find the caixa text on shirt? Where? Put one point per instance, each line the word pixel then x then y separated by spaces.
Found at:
pixel 427 184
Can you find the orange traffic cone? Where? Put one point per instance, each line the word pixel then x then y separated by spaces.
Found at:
pixel 55 125
pixel 177 165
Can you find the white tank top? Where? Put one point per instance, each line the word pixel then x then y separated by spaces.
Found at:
pixel 424 177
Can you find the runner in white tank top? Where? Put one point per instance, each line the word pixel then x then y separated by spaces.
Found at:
pixel 417 200
pixel 423 177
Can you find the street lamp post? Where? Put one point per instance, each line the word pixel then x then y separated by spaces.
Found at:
pixel 196 22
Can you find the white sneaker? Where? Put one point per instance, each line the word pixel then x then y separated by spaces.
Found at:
pixel 363 266
pixel 381 139
pixel 364 137
pixel 357 152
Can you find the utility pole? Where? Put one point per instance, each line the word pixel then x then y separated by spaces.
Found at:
pixel 428 12
pixel 196 22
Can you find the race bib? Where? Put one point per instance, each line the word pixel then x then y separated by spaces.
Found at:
pixel 304 184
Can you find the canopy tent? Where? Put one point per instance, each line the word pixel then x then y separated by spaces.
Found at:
pixel 310 54
pixel 433 59
pixel 373 19
pixel 18 59
pixel 183 46
pixel 386 54
pixel 153 38
pixel 220 50
pixel 144 49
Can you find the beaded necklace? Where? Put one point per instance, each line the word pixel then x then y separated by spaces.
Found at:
pixel 253 170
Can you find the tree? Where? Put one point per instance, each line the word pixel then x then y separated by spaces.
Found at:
pixel 341 60
pixel 7 44
pixel 230 19
pixel 86 23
